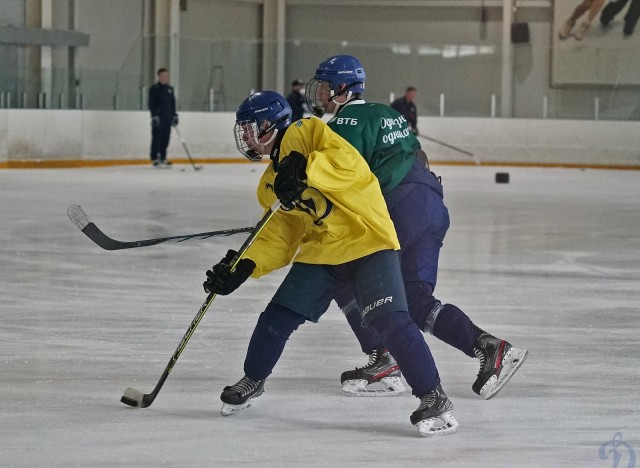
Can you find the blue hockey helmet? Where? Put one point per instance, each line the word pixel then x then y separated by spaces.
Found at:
pixel 257 116
pixel 339 75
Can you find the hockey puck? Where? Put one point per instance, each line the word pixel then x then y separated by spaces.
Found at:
pixel 502 177
pixel 182 170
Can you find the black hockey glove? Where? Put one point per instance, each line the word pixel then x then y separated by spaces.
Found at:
pixel 221 280
pixel 174 121
pixel 290 179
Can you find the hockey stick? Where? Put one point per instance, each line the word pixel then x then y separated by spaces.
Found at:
pixel 93 232
pixel 451 147
pixel 184 145
pixel 133 397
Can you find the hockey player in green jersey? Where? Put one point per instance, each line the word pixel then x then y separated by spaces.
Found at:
pixel 414 197
pixel 336 230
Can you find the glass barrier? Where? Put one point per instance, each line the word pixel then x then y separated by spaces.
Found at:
pixel 215 75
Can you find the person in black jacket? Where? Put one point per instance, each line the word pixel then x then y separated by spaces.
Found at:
pixel 407 107
pixel 296 100
pixel 162 105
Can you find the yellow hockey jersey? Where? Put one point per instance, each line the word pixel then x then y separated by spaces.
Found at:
pixel 343 215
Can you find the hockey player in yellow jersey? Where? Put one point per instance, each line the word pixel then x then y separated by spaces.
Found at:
pixel 341 187
pixel 336 230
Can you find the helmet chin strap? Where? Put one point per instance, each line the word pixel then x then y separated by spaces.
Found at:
pixel 270 140
pixel 338 104
pixel 262 146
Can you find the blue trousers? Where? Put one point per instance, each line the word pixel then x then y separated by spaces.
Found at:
pixel 376 283
pixel 421 219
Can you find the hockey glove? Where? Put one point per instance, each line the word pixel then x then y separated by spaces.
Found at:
pixel 290 179
pixel 222 280
pixel 155 121
pixel 174 121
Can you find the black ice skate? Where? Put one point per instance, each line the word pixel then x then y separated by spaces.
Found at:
pixel 498 362
pixel 434 416
pixel 241 395
pixel 380 377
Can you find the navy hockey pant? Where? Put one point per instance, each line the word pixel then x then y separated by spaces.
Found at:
pixel 421 219
pixel 306 293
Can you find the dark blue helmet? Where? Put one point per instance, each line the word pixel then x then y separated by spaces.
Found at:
pixel 258 115
pixel 341 74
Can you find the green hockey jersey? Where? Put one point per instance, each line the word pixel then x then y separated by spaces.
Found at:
pixel 380 134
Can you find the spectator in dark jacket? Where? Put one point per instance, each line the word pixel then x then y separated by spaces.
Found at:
pixel 162 105
pixel 296 100
pixel 407 107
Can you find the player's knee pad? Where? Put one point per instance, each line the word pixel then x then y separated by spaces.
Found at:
pixel 350 308
pixel 280 321
pixel 433 311
pixel 423 307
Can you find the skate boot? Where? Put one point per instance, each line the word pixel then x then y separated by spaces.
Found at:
pixel 241 395
pixel 581 31
pixel 566 28
pixel 434 416
pixel 380 377
pixel 498 362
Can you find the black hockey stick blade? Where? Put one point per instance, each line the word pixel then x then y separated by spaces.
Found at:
pixel 93 232
pixel 137 399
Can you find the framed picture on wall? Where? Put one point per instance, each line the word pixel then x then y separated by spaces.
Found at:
pixel 596 42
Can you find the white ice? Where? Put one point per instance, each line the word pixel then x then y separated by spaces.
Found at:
pixel 550 261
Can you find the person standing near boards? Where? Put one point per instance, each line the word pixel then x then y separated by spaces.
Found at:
pixel 162 105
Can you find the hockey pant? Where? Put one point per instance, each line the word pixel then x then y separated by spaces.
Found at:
pixel 396 329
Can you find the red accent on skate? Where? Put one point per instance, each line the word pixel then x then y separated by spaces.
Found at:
pixel 385 373
pixel 500 354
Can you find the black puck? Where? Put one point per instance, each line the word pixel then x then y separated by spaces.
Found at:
pixel 502 177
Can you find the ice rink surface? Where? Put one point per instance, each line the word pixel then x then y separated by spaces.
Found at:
pixel 549 261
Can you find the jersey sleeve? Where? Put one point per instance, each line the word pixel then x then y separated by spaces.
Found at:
pixel 278 243
pixel 332 162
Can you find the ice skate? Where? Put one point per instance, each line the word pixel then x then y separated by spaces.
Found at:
pixel 380 377
pixel 566 28
pixel 434 416
pixel 581 32
pixel 241 396
pixel 498 362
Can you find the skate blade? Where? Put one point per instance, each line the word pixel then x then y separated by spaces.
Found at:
pixel 512 362
pixel 441 425
pixel 229 409
pixel 385 387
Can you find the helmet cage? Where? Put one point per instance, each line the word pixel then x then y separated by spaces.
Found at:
pixel 319 93
pixel 339 75
pixel 248 137
pixel 247 140
pixel 260 114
